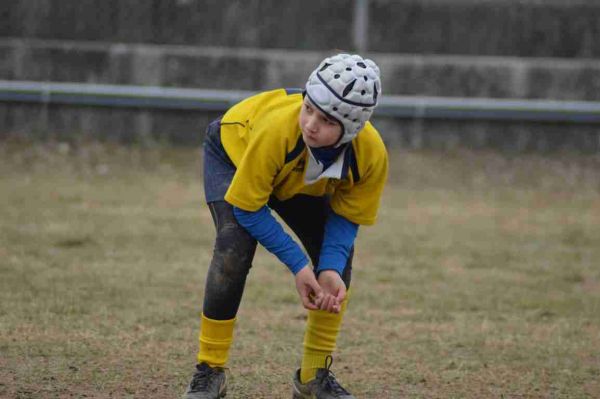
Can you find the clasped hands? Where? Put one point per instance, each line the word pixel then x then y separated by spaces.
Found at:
pixel 325 293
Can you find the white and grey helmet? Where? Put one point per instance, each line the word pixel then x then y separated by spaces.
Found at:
pixel 346 87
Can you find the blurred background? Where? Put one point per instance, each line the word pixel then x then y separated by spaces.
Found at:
pixel 480 279
pixel 439 59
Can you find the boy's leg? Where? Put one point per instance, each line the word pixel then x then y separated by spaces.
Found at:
pixel 232 259
pixel 232 256
pixel 306 216
pixel 320 339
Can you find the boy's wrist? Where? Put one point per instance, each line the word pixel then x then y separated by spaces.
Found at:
pixel 330 268
pixel 299 266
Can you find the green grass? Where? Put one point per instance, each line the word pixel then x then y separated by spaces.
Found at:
pixel 480 280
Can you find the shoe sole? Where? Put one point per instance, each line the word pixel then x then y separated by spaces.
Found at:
pixel 299 395
pixel 222 394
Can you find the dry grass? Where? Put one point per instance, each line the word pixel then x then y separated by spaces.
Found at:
pixel 481 279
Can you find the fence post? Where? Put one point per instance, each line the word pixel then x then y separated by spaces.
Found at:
pixel 361 25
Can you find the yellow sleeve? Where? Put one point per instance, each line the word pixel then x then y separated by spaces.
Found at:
pixel 253 181
pixel 359 202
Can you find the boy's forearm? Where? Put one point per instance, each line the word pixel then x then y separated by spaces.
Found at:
pixel 269 233
pixel 340 234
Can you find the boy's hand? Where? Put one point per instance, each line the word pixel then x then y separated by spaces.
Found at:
pixel 308 288
pixel 334 291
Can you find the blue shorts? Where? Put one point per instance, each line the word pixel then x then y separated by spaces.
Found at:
pixel 218 168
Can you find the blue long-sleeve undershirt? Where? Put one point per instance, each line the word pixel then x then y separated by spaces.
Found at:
pixel 265 229
pixel 340 234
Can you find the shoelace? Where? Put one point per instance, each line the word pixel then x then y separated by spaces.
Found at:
pixel 328 380
pixel 201 378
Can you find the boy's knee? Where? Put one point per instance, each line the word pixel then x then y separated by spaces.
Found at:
pixel 231 262
pixel 235 247
pixel 232 259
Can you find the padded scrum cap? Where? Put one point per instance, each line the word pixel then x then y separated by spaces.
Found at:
pixel 346 87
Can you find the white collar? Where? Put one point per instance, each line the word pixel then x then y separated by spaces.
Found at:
pixel 314 168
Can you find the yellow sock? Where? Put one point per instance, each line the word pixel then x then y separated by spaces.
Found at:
pixel 215 338
pixel 320 338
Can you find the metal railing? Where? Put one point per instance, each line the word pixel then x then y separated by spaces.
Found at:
pixel 152 97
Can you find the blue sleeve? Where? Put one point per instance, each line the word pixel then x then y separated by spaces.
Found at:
pixel 268 232
pixel 340 234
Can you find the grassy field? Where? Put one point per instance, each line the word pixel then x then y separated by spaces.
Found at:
pixel 481 280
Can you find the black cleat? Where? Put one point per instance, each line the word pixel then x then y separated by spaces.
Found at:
pixel 324 386
pixel 207 383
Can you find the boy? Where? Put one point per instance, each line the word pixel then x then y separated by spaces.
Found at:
pixel 312 157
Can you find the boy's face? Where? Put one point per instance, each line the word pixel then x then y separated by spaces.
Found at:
pixel 318 129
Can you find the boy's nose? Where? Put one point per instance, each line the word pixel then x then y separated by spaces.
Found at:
pixel 312 124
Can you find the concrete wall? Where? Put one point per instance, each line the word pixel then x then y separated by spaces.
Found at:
pixel 527 28
pixel 466 48
pixel 256 69
pixel 530 28
pixel 59 122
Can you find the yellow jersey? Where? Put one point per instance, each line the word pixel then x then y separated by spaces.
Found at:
pixel 262 137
